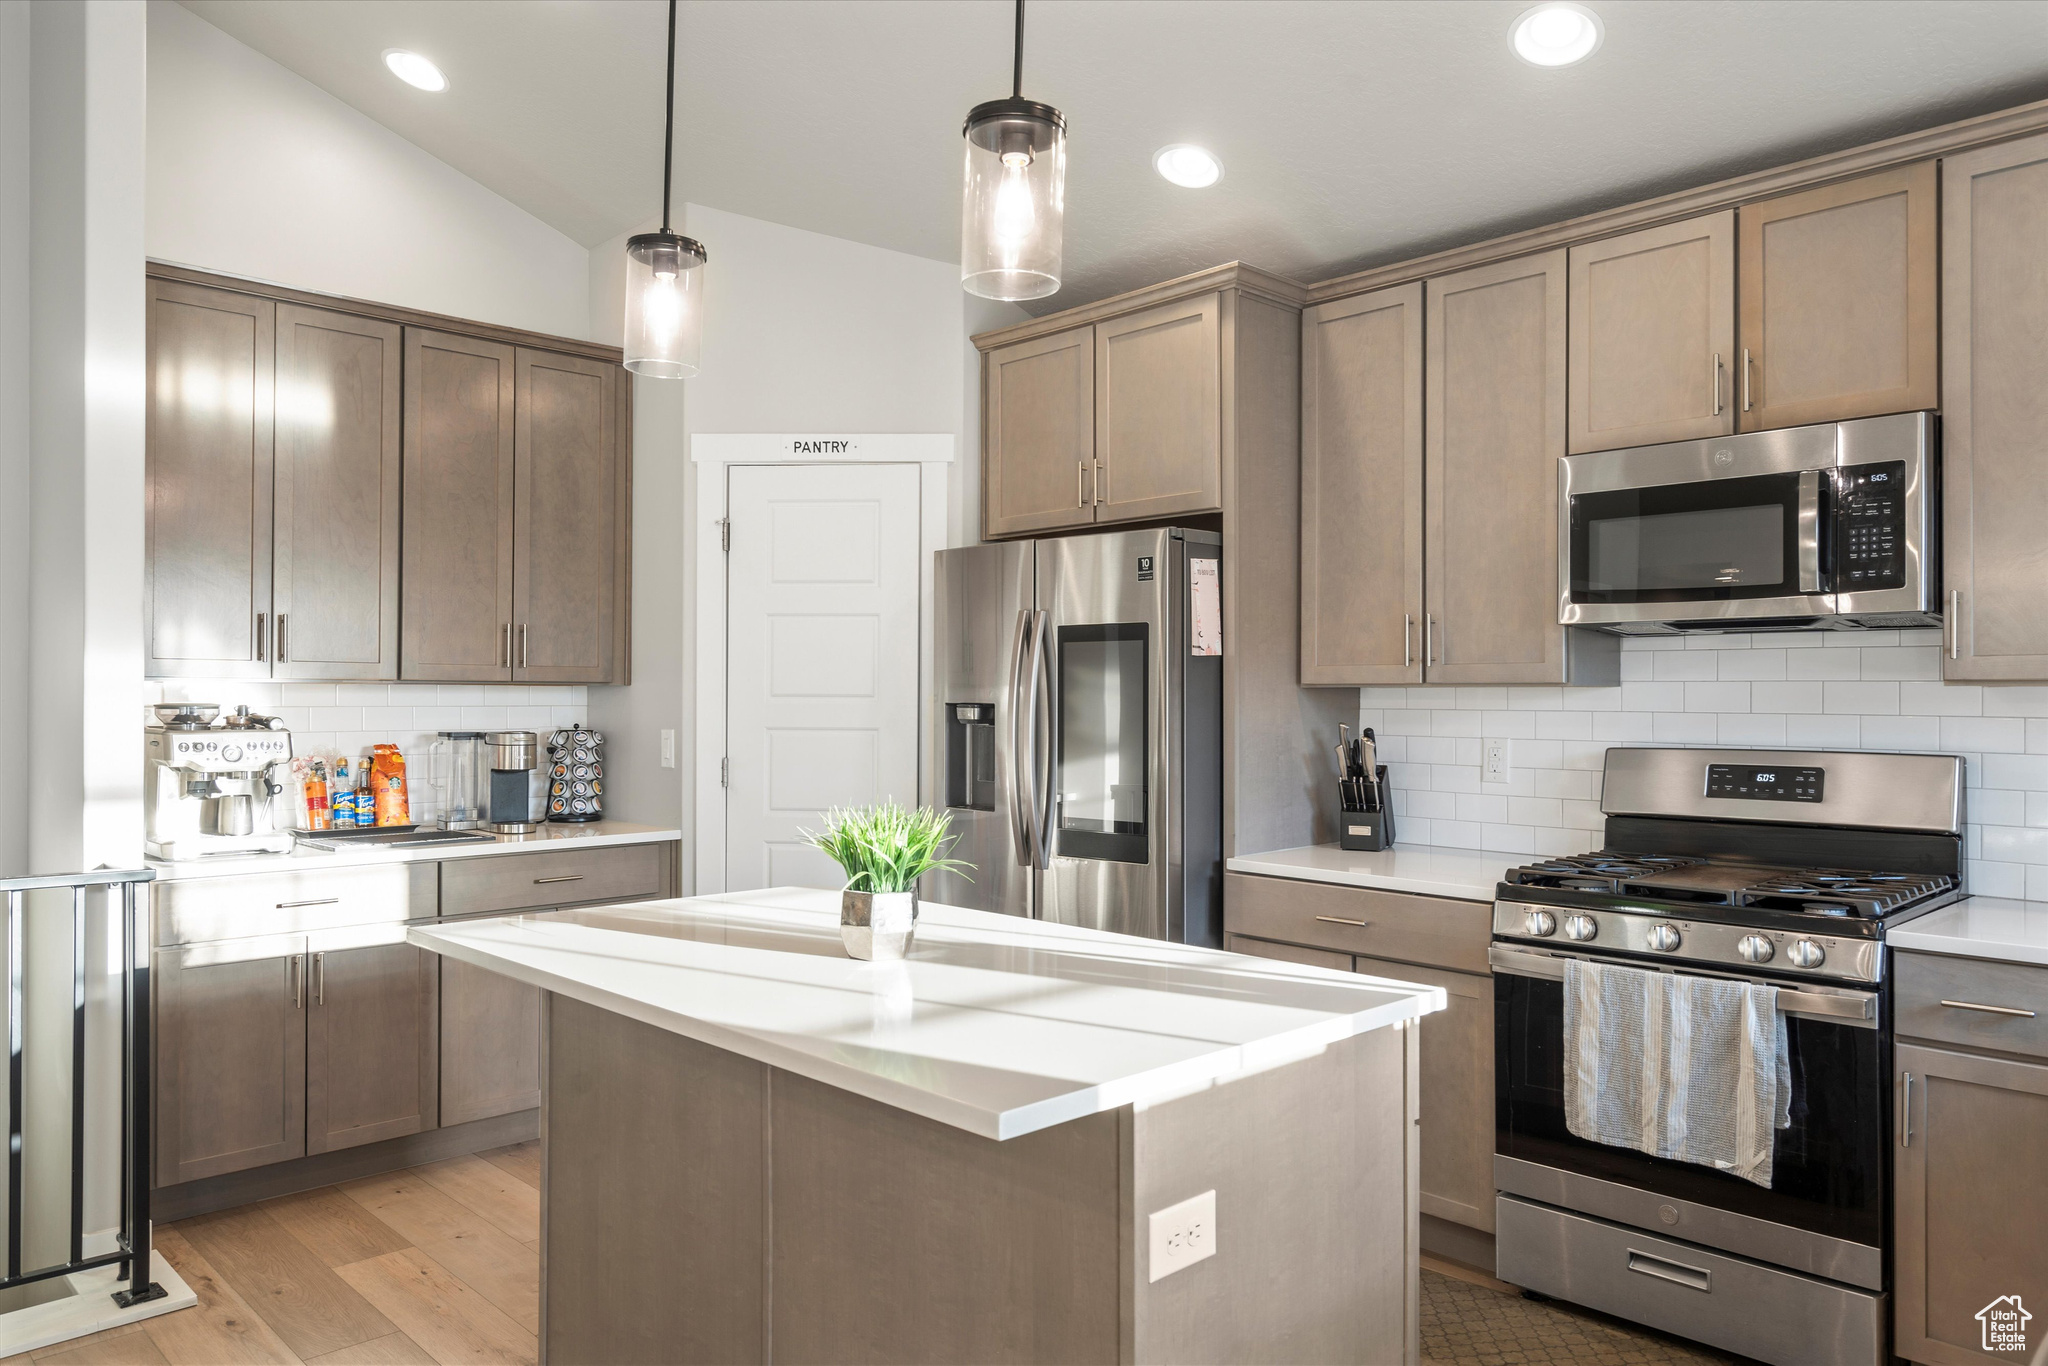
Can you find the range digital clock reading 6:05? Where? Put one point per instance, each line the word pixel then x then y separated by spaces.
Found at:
pixel 1746 782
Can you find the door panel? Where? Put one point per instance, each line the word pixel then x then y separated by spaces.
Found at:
pixel 1038 432
pixel 337 481
pixel 490 1044
pixel 1653 335
pixel 822 658
pixel 1361 489
pixel 1972 1199
pixel 1838 301
pixel 459 467
pixel 1494 434
pixel 982 591
pixel 230 1057
pixel 1995 412
pixel 372 1052
pixel 1158 420
pixel 209 443
pixel 566 542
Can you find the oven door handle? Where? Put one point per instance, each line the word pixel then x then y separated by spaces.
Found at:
pixel 1851 1009
pixel 1810 487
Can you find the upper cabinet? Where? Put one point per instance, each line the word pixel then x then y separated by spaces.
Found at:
pixel 339 496
pixel 1038 434
pixel 1995 412
pixel 1157 418
pixel 1653 335
pixel 1361 489
pixel 1838 301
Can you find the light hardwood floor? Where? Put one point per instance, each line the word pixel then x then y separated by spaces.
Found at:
pixel 436 1264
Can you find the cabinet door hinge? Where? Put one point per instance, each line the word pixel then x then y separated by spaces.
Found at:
pixel 724 534
pixel 725 773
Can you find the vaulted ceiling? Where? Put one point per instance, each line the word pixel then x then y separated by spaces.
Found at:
pixel 1351 133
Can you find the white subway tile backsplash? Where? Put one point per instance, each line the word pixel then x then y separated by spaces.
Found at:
pixel 1752 729
pixel 1681 665
pixel 1683 728
pixel 2010 701
pixel 1824 664
pixel 1920 698
pixel 1752 663
pixel 1861 699
pixel 1653 697
pixel 1901 732
pixel 1914 661
pixel 1512 725
pixel 1622 727
pixel 1701 697
pixel 1823 732
pixel 1564 725
pixel 1992 734
pixel 1785 697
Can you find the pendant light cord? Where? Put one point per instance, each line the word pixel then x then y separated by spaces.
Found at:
pixel 1017 77
pixel 668 137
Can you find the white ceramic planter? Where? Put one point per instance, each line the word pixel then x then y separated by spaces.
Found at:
pixel 877 925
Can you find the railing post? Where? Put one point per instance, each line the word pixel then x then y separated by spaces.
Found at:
pixel 135 1072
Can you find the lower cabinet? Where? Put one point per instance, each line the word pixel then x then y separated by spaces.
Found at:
pixel 231 1057
pixel 371 1055
pixel 1971 1201
pixel 490 1044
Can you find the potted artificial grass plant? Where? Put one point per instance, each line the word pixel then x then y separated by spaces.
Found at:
pixel 883 850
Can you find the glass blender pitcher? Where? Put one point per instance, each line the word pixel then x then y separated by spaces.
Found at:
pixel 455 768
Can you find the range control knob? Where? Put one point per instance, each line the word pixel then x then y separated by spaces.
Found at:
pixel 1539 923
pixel 1665 938
pixel 1807 954
pixel 1754 948
pixel 1580 927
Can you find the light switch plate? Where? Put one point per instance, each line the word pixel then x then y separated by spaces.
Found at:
pixel 668 749
pixel 1183 1234
pixel 1498 767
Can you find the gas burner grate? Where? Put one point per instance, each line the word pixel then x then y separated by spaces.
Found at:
pixel 1844 892
pixel 1603 871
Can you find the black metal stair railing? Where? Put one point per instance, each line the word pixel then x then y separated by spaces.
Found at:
pixel 132 1237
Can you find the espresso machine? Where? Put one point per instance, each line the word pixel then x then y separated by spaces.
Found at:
pixel 207 785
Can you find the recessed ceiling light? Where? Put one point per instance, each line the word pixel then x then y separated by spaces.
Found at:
pixel 1186 164
pixel 414 70
pixel 1556 34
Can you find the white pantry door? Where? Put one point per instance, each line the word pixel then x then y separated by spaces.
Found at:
pixel 821 658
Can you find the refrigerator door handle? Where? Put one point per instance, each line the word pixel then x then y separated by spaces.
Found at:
pixel 1019 829
pixel 1042 768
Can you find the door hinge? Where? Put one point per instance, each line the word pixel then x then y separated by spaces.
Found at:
pixel 725 773
pixel 725 534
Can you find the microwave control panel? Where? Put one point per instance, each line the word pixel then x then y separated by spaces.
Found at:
pixel 1870 527
pixel 1749 782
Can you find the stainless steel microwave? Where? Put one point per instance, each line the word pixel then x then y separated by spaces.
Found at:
pixel 1832 526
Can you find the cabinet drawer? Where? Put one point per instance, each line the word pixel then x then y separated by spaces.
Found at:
pixel 1434 930
pixel 522 882
pixel 1927 980
pixel 277 903
pixel 1287 953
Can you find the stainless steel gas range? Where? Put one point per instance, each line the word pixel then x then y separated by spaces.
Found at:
pixel 1772 867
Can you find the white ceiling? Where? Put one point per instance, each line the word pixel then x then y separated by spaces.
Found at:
pixel 1351 133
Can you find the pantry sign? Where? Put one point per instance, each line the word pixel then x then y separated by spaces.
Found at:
pixel 785 448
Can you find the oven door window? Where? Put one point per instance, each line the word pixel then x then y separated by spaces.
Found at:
pixel 1828 1168
pixel 1709 541
pixel 1104 757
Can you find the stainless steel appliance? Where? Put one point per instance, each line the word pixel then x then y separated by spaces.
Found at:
pixel 1771 866
pixel 510 802
pixel 207 787
pixel 1831 526
pixel 1078 741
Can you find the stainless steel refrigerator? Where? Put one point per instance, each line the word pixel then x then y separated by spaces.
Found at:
pixel 1079 730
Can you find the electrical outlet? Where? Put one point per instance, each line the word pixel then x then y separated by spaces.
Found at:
pixel 1498 765
pixel 1183 1234
pixel 668 749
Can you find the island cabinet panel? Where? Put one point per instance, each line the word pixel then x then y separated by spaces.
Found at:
pixel 1361 489
pixel 459 490
pixel 1494 428
pixel 1653 335
pixel 1971 1200
pixel 1995 412
pixel 490 1043
pixel 1839 300
pixel 372 1055
pixel 1457 1092
pixel 210 445
pixel 230 1076
pixel 567 510
pixel 335 594
pixel 1038 434
pixel 1158 420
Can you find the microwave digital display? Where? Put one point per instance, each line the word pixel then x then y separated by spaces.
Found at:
pixel 1754 783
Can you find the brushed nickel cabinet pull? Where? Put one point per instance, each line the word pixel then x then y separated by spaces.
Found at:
pixel 1080 483
pixel 505 645
pixel 319 979
pixel 1906 1112
pixel 1990 1010
pixel 1748 399
pixel 1428 639
pixel 1407 650
pixel 284 653
pixel 522 644
pixel 262 637
pixel 1340 920
pixel 566 877
pixel 295 978
pixel 1101 484
pixel 1955 623
pixel 1718 405
pixel 317 901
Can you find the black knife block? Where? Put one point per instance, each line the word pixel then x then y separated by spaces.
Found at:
pixel 1367 831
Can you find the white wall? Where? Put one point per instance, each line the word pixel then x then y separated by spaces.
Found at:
pixel 1872 690
pixel 16 261
pixel 255 171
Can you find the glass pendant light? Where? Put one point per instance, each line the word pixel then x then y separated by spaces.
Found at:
pixel 1015 193
pixel 665 274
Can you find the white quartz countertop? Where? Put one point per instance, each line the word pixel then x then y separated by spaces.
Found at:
pixel 1469 874
pixel 995 1024
pixel 1979 927
pixel 550 836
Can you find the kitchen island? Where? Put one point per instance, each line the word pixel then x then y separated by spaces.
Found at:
pixel 759 1149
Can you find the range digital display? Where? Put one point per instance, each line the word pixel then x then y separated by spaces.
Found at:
pixel 1756 783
